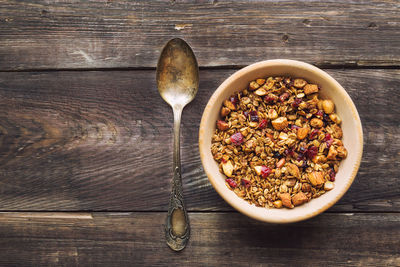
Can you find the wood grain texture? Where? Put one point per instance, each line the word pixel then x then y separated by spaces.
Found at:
pixel 120 34
pixel 126 239
pixel 98 140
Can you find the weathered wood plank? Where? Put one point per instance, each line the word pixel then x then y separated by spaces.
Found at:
pixel 103 141
pixel 119 34
pixel 123 239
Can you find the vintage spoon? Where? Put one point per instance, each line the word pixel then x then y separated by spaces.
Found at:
pixel 177 82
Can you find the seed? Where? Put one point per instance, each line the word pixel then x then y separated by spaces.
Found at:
pixel 260 81
pixel 335 118
pixel 253 85
pixel 299 83
pixel 260 92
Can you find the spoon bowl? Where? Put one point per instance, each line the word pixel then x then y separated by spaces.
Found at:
pixel 177 73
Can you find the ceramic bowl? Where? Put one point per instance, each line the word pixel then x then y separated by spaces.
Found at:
pixel 331 89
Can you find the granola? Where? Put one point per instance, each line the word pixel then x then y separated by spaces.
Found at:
pixel 278 143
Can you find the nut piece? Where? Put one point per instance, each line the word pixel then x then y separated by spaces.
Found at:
pixel 277 204
pixel 342 152
pixel 306 187
pixel 253 85
pixel 280 123
pixel 310 89
pixel 260 92
pixel 260 81
pixel 293 170
pixel 319 159
pixel 302 132
pixel 299 198
pixel 222 125
pixel 225 111
pixel 332 153
pixel 272 114
pixel 258 169
pixel 328 106
pixel 227 167
pixel 316 123
pixel 286 200
pixel 335 118
pixel 290 182
pixel 316 178
pixel 280 163
pixel 229 105
pixel 328 185
pixel 299 83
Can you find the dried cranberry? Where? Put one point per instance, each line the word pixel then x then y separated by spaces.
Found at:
pixel 294 126
pixel 269 99
pixel 234 99
pixel 313 133
pixel 300 156
pixel 311 152
pixel 302 149
pixel 319 113
pixel 246 113
pixel 237 139
pixel 325 118
pixel 263 124
pixel 296 102
pixel 224 160
pixel 245 183
pixel 265 171
pixel 289 152
pixel 283 97
pixel 328 139
pixel 231 183
pixel 253 115
pixel 332 175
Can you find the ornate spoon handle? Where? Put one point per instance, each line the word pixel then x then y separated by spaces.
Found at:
pixel 177 228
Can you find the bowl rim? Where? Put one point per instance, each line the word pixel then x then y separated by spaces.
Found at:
pixel 292 63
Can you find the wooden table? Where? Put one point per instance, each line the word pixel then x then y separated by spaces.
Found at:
pixel 86 141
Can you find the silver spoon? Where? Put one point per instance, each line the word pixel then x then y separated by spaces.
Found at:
pixel 177 82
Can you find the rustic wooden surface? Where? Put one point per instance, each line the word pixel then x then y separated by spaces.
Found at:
pixel 121 239
pixel 120 34
pixel 86 141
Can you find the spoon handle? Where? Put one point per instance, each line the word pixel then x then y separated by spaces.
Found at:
pixel 177 228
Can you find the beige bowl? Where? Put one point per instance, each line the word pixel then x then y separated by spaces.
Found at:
pixel 330 88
